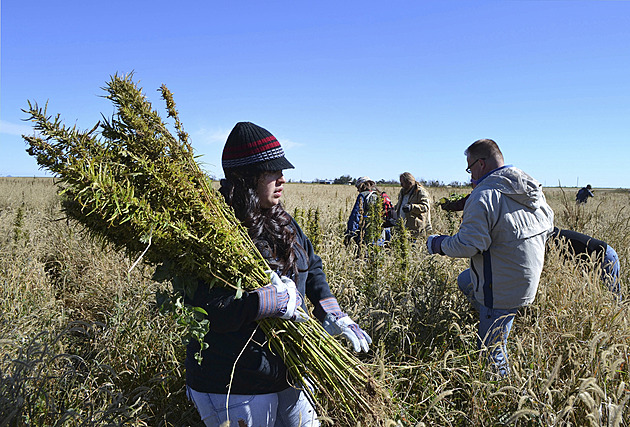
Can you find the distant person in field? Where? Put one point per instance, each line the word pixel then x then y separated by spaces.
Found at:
pixel 586 249
pixel 413 206
pixel 505 224
pixel 359 220
pixel 583 194
pixel 240 373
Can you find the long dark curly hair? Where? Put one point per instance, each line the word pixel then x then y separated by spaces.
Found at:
pixel 270 229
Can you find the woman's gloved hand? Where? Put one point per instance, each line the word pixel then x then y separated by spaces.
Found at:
pixel 347 327
pixel 280 299
pixel 338 323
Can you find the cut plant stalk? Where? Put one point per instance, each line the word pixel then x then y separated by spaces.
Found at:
pixel 132 181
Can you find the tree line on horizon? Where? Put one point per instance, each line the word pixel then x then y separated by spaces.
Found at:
pixel 349 180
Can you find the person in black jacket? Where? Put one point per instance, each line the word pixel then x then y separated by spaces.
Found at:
pixel 240 377
pixel 583 194
pixel 579 246
pixel 586 248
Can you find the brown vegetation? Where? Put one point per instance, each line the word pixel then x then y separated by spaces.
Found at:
pixel 82 343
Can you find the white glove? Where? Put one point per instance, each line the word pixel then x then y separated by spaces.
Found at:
pixel 359 339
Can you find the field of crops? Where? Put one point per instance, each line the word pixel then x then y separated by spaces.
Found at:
pixel 82 343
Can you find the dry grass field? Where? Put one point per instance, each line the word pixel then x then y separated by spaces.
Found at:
pixel 82 343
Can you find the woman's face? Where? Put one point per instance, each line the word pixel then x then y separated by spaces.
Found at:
pixel 406 185
pixel 270 188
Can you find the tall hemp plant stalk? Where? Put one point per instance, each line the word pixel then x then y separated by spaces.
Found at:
pixel 129 181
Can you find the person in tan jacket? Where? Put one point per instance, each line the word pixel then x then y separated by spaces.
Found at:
pixel 414 206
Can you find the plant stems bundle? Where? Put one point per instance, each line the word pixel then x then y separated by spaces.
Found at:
pixel 141 188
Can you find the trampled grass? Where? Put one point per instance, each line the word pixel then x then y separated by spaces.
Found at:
pixel 82 343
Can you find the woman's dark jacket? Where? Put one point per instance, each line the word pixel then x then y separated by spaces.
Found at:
pixel 258 370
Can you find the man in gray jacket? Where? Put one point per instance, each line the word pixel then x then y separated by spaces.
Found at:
pixel 505 224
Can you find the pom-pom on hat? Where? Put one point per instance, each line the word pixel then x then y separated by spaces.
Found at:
pixel 253 148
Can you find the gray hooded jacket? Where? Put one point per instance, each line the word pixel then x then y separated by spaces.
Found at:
pixel 505 225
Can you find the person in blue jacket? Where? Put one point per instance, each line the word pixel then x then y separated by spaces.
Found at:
pixel 240 375
pixel 359 219
pixel 359 215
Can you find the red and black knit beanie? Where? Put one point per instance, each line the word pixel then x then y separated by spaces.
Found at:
pixel 252 148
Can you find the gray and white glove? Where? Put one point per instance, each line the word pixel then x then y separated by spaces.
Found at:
pixel 280 299
pixel 338 323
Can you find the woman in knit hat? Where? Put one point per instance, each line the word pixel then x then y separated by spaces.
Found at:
pixel 240 377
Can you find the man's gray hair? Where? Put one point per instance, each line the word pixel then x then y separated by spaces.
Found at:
pixel 484 149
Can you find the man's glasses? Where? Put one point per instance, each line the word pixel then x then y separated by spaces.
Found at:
pixel 473 164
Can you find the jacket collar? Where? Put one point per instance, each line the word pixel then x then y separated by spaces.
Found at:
pixel 477 181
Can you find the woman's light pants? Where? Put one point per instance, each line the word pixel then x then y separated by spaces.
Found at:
pixel 288 408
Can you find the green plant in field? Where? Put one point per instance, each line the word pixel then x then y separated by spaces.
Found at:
pixel 298 215
pixel 137 186
pixel 401 249
pixel 452 217
pixel 191 318
pixel 313 228
pixel 310 222
pixel 18 225
pixel 373 251
pixel 374 222
pixel 453 221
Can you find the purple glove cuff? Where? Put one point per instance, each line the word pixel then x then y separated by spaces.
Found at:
pixel 270 302
pixel 330 305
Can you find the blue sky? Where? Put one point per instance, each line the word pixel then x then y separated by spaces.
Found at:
pixel 348 87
